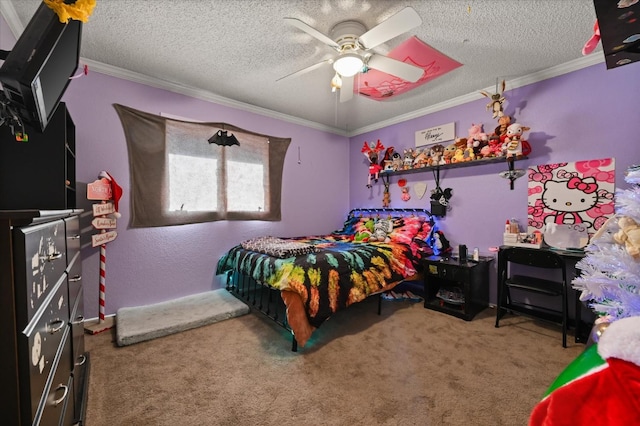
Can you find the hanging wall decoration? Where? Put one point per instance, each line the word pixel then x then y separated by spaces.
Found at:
pixel 420 188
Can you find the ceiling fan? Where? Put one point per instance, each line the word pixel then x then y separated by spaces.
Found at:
pixel 353 43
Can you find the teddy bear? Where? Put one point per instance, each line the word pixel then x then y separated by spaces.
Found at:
pixel 629 236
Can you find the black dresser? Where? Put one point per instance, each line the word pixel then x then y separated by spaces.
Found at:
pixel 44 368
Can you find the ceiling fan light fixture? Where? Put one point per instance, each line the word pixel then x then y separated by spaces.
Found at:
pixel 348 64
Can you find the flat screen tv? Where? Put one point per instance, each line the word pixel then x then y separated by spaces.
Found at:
pixel 35 73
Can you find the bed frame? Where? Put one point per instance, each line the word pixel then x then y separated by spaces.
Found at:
pixel 267 300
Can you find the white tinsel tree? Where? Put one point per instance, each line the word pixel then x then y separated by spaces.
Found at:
pixel 610 271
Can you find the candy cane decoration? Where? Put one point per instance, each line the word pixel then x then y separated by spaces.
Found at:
pixel 105 214
pixel 103 261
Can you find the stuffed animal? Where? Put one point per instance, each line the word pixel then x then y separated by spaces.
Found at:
pixel 497 99
pixel 363 235
pixel 396 161
pixel 629 236
pixel 501 130
pixel 458 156
pixel 476 140
pixel 513 141
pixel 381 230
pixel 372 152
pixel 448 153
pixel 407 160
pixel 421 159
pixel 435 154
pixel 475 131
pixel 460 143
pixel 387 162
pixel 405 194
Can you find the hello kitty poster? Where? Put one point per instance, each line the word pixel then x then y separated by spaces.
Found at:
pixel 580 192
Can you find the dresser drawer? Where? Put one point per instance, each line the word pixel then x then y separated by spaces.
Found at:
pixel 74 277
pixel 77 331
pixel 447 271
pixel 40 261
pixel 59 397
pixel 72 227
pixel 40 343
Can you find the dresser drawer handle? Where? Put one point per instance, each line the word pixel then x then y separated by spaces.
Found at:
pixel 75 278
pixel 79 320
pixel 55 326
pixel 59 401
pixel 81 360
pixel 53 256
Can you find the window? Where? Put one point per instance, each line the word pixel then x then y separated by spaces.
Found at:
pixel 178 177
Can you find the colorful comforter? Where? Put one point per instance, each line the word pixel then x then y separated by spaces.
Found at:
pixel 340 273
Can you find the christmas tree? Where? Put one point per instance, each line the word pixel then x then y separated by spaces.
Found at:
pixel 601 385
pixel 609 280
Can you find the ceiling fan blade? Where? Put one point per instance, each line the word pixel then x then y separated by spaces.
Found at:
pixel 397 24
pixel 400 69
pixel 346 91
pixel 307 69
pixel 312 32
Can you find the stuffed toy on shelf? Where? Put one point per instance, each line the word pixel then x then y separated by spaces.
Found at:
pixel 372 152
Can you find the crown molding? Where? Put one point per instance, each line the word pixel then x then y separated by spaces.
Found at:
pixel 203 95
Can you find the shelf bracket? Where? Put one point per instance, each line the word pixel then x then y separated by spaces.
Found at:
pixel 512 178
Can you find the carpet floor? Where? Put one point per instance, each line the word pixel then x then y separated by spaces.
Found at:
pixel 408 366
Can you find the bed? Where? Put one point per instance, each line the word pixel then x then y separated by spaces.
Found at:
pixel 300 282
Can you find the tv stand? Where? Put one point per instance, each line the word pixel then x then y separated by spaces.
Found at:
pixel 37 169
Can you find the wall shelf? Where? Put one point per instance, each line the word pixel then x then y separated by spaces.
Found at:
pixel 510 174
pixel 493 160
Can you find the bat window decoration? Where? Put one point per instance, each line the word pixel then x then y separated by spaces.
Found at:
pixel 223 139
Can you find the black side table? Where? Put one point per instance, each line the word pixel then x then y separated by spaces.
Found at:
pixel 457 288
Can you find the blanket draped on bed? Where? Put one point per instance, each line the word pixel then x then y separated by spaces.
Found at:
pixel 349 272
pixel 278 247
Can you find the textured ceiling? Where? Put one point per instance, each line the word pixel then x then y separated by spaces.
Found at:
pixel 237 49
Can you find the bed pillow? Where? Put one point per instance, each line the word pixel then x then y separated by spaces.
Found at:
pixel 406 228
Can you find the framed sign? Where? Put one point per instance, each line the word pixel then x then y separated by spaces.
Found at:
pixel 437 134
pixel 576 194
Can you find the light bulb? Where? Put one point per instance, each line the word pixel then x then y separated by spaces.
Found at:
pixel 348 64
pixel 336 82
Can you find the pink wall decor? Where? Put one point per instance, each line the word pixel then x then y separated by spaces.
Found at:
pixel 378 85
pixel 578 192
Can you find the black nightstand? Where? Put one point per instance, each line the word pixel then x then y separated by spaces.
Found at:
pixel 457 288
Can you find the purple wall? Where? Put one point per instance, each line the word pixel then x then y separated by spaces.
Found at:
pixel 587 114
pixel 149 265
